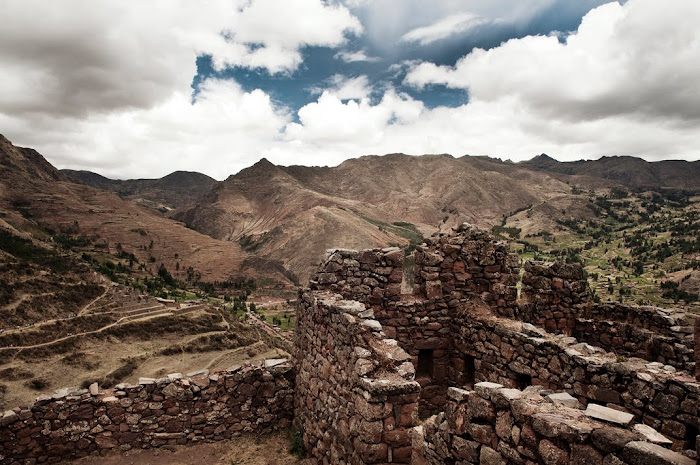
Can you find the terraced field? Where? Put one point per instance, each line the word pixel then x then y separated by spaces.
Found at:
pixel 120 336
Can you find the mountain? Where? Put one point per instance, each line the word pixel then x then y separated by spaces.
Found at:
pixel 170 192
pixel 293 214
pixel 630 172
pixel 41 202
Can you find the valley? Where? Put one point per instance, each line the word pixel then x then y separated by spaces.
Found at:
pixel 108 281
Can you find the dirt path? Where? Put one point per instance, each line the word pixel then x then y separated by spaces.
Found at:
pixel 265 450
pixel 85 307
pixel 128 319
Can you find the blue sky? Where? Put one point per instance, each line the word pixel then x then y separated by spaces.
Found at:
pixel 140 91
pixel 388 55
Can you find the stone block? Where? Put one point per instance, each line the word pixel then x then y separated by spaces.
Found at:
pixel 564 399
pixel 651 435
pixel 610 415
pixel 644 453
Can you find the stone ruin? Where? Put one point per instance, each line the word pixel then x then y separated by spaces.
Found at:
pixel 455 357
pixel 504 369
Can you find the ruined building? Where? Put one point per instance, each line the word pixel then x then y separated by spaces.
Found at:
pixel 450 358
pixel 440 362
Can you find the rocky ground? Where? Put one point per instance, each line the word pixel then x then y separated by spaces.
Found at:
pixel 266 450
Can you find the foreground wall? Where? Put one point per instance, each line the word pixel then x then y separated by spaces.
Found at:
pixel 356 399
pixel 507 352
pixel 252 399
pixel 497 426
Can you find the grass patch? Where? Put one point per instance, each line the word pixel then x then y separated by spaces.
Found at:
pixel 401 229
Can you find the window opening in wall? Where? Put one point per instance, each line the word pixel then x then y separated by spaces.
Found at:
pixel 522 381
pixel 425 363
pixel 691 433
pixel 469 375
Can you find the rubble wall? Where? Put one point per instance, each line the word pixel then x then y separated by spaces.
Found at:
pixel 662 321
pixel 697 349
pixel 467 263
pixel 252 399
pixel 356 398
pixel 423 328
pixel 497 426
pixel 666 400
pixel 628 339
pixel 552 296
pixel 372 276
pixel 450 269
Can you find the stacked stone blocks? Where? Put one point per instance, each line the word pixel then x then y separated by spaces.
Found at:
pixel 356 398
pixel 252 399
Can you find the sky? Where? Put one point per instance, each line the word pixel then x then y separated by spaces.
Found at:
pixel 141 89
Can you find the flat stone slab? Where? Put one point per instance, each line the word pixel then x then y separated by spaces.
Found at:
pixel 651 435
pixel 644 453
pixel 273 362
pixel 457 394
pixel 607 414
pixel 564 399
pixel 485 389
pixel 374 325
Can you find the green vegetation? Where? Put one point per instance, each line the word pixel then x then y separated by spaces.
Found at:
pixel 296 444
pixel 24 249
pixel 629 248
pixel 401 229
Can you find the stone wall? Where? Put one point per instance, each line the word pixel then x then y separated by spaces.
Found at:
pixel 553 295
pixel 662 321
pixel 356 398
pixel 450 268
pixel 697 349
pixel 517 355
pixel 627 339
pixel 424 330
pixel 252 399
pixel 497 426
pixel 372 276
pixel 467 263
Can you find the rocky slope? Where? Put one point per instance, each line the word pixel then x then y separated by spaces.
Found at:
pixel 293 214
pixel 39 201
pixel 630 172
pixel 175 190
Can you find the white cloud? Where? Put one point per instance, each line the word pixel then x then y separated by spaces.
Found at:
pixel 75 57
pixel 224 130
pixel 637 60
pixel 353 57
pixel 269 33
pixel 387 21
pixel 449 26
pixel 344 88
pixel 121 104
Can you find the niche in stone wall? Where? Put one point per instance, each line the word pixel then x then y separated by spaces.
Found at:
pixel 426 363
pixel 522 380
pixel 469 373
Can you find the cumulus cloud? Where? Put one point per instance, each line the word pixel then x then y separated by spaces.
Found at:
pixel 451 25
pixel 356 56
pixel 107 88
pixel 222 131
pixel 269 34
pixel 75 57
pixel 344 88
pixel 640 60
